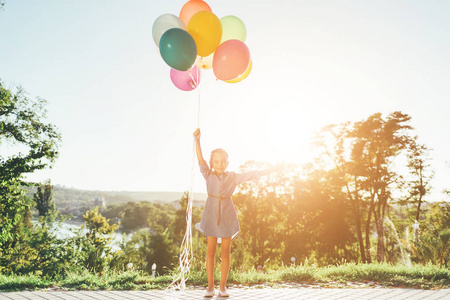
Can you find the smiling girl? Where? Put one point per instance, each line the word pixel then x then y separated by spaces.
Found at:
pixel 219 220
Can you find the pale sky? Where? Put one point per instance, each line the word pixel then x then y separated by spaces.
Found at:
pixel 125 126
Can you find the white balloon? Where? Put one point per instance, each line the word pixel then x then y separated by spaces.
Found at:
pixel 164 23
pixel 205 62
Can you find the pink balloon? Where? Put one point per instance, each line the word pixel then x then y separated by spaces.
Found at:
pixel 186 80
pixel 231 60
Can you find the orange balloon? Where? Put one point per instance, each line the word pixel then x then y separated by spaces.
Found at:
pixel 243 76
pixel 206 30
pixel 231 59
pixel 192 7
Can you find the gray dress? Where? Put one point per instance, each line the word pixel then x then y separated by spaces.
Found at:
pixel 219 217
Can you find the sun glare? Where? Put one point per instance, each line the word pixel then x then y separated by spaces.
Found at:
pixel 288 134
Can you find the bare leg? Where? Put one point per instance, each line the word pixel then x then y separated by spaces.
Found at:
pixel 210 257
pixel 225 266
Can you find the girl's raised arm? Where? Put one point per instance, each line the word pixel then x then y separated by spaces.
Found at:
pixel 198 148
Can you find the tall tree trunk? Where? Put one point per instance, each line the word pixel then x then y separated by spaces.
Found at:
pixel 379 220
pixel 368 223
pixel 416 230
pixel 421 193
pixel 418 208
pixel 380 241
pixel 357 210
pixel 358 229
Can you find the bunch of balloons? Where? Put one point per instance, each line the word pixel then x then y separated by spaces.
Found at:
pixel 197 40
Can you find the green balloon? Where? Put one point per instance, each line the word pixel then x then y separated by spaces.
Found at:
pixel 178 49
pixel 233 29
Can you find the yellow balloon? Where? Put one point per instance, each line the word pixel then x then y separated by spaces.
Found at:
pixel 206 30
pixel 243 76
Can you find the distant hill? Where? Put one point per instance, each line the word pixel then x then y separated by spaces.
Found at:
pixel 63 196
pixel 78 202
pixel 164 197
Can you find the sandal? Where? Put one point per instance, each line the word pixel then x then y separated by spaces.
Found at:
pixel 210 294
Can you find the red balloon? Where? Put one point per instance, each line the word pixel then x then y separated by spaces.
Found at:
pixel 231 60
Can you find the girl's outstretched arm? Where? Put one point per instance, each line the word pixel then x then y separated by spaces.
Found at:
pixel 198 148
pixel 252 175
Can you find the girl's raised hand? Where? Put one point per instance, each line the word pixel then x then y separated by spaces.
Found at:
pixel 197 134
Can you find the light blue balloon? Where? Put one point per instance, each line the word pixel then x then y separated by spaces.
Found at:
pixel 164 23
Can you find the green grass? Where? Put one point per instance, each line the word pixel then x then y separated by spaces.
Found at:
pixel 417 276
pixel 17 283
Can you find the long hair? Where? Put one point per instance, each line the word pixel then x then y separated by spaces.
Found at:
pixel 214 152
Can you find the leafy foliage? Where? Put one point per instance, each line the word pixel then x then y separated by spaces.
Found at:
pixel 44 200
pixel 96 246
pixel 35 147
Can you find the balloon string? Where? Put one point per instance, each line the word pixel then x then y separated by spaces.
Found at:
pixel 198 90
pixel 186 249
pixel 197 83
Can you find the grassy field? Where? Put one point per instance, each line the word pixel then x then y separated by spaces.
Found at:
pixel 349 275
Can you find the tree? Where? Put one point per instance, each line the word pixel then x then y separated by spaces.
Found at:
pixel 322 218
pixel 35 147
pixel 178 223
pixel 434 242
pixel 97 245
pixel 378 142
pixel 419 185
pixel 260 205
pixel 136 215
pixel 336 158
pixel 161 252
pixel 44 199
pixel 444 236
pixel 362 155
